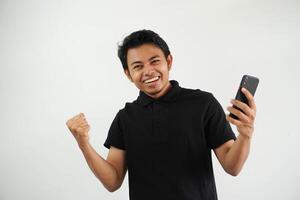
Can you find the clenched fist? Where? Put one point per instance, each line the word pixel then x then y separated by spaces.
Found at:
pixel 79 127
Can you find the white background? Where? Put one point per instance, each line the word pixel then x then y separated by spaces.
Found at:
pixel 59 58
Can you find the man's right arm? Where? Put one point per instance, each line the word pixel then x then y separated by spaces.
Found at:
pixel 110 172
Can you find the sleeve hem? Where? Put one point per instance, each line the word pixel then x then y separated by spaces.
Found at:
pixel 117 146
pixel 232 137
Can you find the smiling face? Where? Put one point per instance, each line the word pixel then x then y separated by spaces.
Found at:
pixel 149 70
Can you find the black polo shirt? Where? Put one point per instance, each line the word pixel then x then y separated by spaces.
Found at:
pixel 168 143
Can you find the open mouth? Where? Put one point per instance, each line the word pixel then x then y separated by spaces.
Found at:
pixel 152 80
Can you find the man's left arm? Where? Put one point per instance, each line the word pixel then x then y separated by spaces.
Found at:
pixel 233 154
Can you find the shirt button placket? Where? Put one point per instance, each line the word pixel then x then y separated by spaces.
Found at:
pixel 154 108
pixel 157 120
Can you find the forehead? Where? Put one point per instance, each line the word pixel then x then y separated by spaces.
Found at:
pixel 143 53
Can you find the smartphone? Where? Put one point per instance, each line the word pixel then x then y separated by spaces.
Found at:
pixel 250 83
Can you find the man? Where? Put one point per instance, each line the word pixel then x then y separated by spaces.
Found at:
pixel 165 137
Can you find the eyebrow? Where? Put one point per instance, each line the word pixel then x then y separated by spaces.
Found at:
pixel 138 62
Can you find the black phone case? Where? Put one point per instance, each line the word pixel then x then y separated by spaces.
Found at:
pixel 250 83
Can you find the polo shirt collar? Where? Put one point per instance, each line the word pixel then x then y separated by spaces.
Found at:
pixel 170 96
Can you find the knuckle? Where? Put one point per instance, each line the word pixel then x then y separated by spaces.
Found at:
pixel 244 118
pixel 253 114
pixel 245 106
pixel 247 120
pixel 239 114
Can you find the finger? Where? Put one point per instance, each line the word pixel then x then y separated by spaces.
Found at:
pixel 250 98
pixel 241 105
pixel 233 121
pixel 83 123
pixel 86 128
pixel 80 118
pixel 76 117
pixel 79 115
pixel 242 117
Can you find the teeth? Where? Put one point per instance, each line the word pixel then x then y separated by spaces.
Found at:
pixel 151 80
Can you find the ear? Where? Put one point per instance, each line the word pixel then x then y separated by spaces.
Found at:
pixel 126 71
pixel 169 61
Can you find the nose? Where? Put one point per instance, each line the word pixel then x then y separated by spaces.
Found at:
pixel 148 69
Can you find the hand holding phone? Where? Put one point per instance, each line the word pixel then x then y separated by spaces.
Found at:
pixel 250 83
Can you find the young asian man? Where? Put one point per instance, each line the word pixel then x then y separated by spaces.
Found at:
pixel 164 138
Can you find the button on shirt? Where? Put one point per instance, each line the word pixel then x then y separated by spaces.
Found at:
pixel 168 143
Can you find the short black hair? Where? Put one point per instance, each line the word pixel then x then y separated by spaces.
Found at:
pixel 137 39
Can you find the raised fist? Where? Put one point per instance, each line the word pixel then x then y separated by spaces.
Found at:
pixel 79 127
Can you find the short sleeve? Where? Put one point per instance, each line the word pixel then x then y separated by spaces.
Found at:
pixel 115 134
pixel 217 128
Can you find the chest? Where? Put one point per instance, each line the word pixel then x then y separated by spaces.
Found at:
pixel 165 131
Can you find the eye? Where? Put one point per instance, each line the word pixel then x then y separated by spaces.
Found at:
pixel 136 66
pixel 155 61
